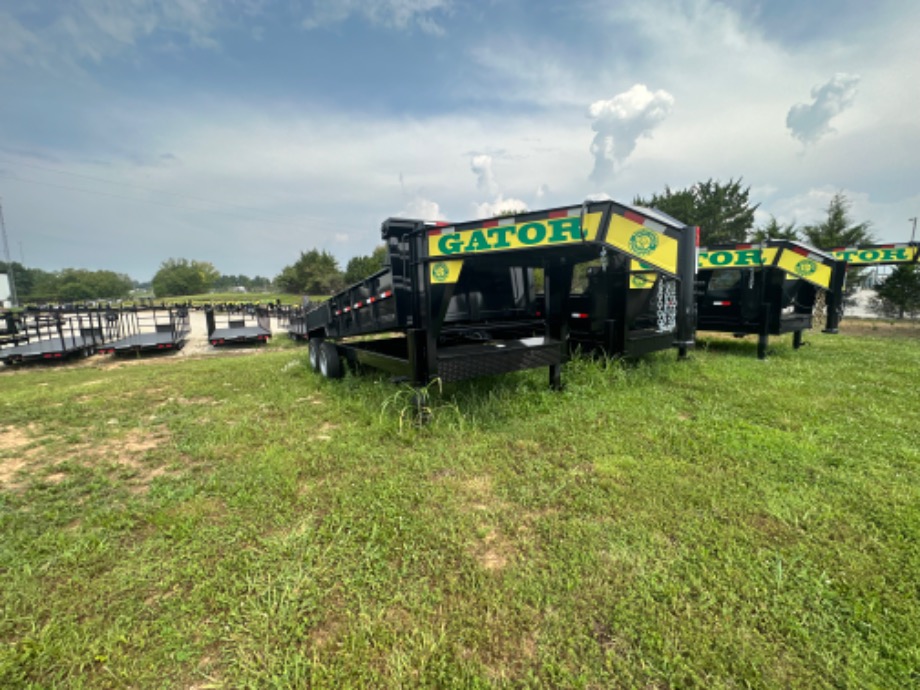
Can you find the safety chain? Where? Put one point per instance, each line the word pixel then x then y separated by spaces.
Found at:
pixel 667 305
pixel 819 312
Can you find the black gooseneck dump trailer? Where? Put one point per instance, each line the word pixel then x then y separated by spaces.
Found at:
pixel 459 301
pixel 767 289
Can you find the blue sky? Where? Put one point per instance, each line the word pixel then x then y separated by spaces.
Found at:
pixel 243 132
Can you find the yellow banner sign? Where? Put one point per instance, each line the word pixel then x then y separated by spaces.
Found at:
pixel 729 258
pixel 539 233
pixel 639 276
pixel 805 267
pixel 443 272
pixel 652 247
pixel 868 256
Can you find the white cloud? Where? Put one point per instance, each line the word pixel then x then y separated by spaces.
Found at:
pixel 620 122
pixel 422 209
pixel 481 165
pixel 489 209
pixel 808 122
pixel 88 32
pixel 397 14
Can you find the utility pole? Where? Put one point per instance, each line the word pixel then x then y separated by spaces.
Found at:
pixel 9 261
pixel 914 231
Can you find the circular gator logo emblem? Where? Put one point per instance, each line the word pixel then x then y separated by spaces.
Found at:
pixel 440 272
pixel 643 242
pixel 806 267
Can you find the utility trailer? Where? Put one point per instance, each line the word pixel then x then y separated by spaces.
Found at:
pixel 460 301
pixel 238 325
pixel 148 329
pixel 55 335
pixel 767 289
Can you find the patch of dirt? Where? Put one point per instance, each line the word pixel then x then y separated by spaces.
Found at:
pixel 13 438
pixel 323 432
pixel 15 457
pixel 128 451
pixel 494 551
pixel 881 328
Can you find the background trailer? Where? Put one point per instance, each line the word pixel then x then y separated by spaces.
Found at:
pixel 767 289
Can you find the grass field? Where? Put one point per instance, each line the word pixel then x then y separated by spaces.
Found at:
pixel 233 298
pixel 236 521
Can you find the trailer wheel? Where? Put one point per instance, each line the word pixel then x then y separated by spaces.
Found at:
pixel 330 364
pixel 313 346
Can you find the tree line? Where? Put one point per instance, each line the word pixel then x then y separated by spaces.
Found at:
pixel 723 211
pixel 67 285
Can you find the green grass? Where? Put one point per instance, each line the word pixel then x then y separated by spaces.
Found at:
pixel 237 522
pixel 233 298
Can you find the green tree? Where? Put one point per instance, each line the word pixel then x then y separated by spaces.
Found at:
pixel 838 229
pixel 183 277
pixel 900 293
pixel 723 212
pixel 314 273
pixel 360 267
pixel 772 230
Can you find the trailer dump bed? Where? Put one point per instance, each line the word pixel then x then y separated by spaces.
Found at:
pixel 460 301
pixel 767 289
pixel 146 330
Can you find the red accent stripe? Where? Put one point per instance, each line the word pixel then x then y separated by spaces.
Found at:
pixel 697 235
pixel 578 315
pixel 801 251
pixel 743 246
pixel 559 214
pixel 634 217
pixel 490 224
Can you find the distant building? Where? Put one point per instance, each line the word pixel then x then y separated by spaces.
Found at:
pixel 6 294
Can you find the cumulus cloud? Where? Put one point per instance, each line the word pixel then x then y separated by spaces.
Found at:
pixel 620 122
pixel 501 205
pixel 422 209
pixel 808 122
pixel 397 14
pixel 481 165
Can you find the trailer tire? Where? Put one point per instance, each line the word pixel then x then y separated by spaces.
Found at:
pixel 330 364
pixel 313 346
